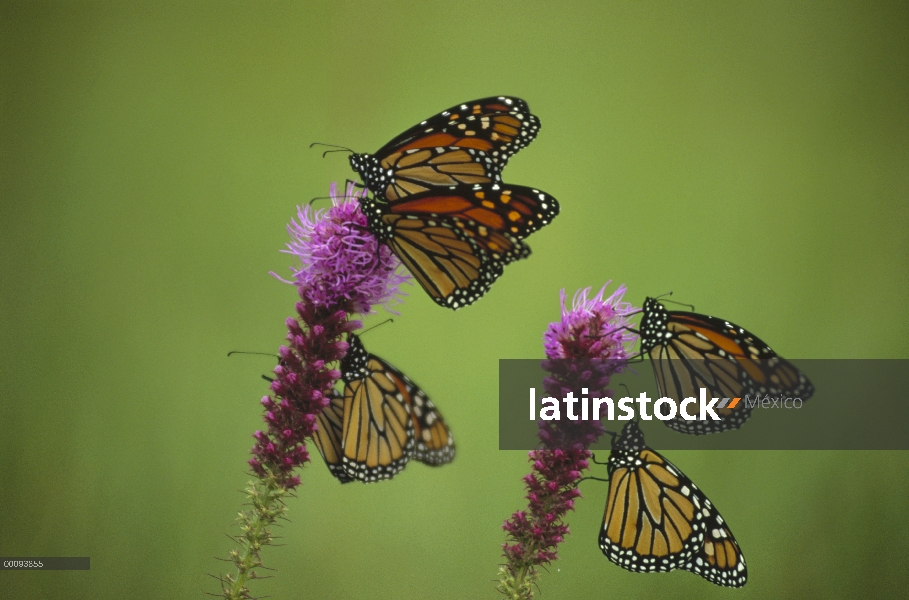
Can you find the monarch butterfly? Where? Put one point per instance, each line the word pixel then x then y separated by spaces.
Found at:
pixel 440 204
pixel 657 520
pixel 467 144
pixel 379 423
pixel 689 351
pixel 457 242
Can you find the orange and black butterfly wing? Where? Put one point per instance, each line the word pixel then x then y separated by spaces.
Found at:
pixel 434 442
pixel 468 143
pixel 327 437
pixel 404 174
pixel 690 351
pixel 761 370
pixel 653 520
pixel 513 210
pixel 680 373
pixel 456 242
pixel 377 437
pixel 502 124
pixel 448 257
pixel 720 560
pixel 658 520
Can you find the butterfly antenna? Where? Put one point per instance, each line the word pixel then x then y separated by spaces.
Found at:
pixel 691 306
pixel 265 377
pixel 338 150
pixel 388 320
pixel 259 353
pixel 336 147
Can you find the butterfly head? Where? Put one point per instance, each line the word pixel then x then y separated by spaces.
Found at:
pixel 353 365
pixel 368 168
pixel 630 441
pixel 653 324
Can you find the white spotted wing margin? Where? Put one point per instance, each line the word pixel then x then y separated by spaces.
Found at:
pixel 448 256
pixel 434 442
pixel 720 561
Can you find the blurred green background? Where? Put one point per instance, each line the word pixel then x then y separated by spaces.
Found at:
pixel 750 157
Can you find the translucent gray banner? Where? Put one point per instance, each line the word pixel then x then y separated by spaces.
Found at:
pixel 855 405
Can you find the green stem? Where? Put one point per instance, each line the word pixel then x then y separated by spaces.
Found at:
pixel 266 496
pixel 517 585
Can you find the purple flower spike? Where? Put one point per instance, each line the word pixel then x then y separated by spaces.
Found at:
pixel 344 271
pixel 342 263
pixel 591 342
pixel 592 329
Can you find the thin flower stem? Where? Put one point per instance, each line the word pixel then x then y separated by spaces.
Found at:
pixel 266 496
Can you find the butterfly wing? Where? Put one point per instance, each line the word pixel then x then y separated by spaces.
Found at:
pixel 447 256
pixel 403 174
pixel 500 124
pixel 434 442
pixel 515 210
pixel 377 438
pixel 720 560
pixel 377 429
pixel 680 374
pixel 456 242
pixel 327 437
pixel 658 520
pixel 468 143
pixel 652 521
pixel 690 351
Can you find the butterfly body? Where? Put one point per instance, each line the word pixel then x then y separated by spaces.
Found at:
pixel 658 520
pixel 439 201
pixel 690 350
pixel 382 420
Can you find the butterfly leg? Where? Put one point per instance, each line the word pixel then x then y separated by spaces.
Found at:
pixel 593 459
pixel 593 478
